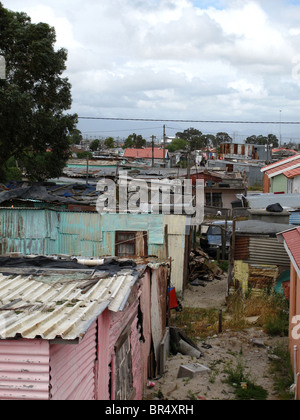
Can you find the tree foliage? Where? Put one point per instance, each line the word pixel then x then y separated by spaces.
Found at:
pixel 177 144
pixel 109 143
pixel 134 141
pixel 263 140
pixel 94 146
pixel 34 98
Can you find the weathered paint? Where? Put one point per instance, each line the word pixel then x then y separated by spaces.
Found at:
pixel 48 232
pixel 24 370
pixel 38 369
pixel 103 370
pixel 254 276
pixel 241 275
pixel 40 309
pixel 72 369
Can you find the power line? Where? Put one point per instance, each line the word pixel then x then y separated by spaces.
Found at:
pixel 192 121
pixel 121 131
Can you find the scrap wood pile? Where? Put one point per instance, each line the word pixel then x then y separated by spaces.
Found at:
pixel 202 269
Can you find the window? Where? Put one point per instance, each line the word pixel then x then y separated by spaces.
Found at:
pixel 131 244
pixel 214 200
pixel 125 244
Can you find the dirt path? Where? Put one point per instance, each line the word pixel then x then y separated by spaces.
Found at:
pixel 220 353
pixel 211 296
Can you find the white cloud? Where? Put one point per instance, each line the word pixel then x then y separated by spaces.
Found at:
pixel 174 58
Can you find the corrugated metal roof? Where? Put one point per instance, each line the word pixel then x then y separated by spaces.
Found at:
pixel 282 166
pixel 145 153
pixel 268 252
pixel 31 307
pixel 280 163
pixel 264 200
pixel 292 173
pixel 292 240
pixel 258 227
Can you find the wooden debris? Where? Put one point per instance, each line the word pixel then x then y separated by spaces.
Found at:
pixel 202 269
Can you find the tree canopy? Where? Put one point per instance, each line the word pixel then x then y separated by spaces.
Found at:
pixel 196 140
pixel 134 141
pixel 34 98
pixel 263 140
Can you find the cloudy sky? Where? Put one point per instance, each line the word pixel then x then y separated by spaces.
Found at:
pixel 219 60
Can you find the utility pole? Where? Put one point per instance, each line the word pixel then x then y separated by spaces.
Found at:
pixel 280 136
pixel 153 137
pixel 164 137
pixel 189 158
pixel 87 168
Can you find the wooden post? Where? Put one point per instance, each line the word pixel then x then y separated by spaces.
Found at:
pixel 87 169
pixel 220 321
pixel 153 137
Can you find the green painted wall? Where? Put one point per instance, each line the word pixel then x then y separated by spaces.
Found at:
pixel 278 184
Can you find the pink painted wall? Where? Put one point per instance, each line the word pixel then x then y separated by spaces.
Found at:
pixel 72 369
pixel 110 328
pixel 24 370
pixel 145 294
pixel 36 370
pixel 294 311
pixel 104 358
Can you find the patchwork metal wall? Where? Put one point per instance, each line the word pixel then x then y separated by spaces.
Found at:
pixel 48 232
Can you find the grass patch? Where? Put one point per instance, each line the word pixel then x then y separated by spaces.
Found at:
pixel 272 312
pixel 283 374
pixel 197 322
pixel 271 309
pixel 236 377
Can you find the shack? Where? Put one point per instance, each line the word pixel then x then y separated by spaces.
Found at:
pixel 53 232
pixel 258 259
pixel 70 331
pixel 291 241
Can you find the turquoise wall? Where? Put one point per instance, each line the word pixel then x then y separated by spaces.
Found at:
pixel 50 232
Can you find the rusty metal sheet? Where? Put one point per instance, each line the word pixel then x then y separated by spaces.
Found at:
pixel 242 249
pixel 262 277
pixel 268 251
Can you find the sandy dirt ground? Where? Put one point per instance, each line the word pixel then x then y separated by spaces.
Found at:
pixel 219 352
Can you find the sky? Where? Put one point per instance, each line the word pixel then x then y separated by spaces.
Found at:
pixel 168 60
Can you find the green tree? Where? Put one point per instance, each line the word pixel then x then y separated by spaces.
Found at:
pixel 193 137
pixel 209 140
pixel 109 143
pixel 94 146
pixel 222 138
pixel 34 98
pixel 134 141
pixel 263 140
pixel 84 155
pixel 75 137
pixel 177 144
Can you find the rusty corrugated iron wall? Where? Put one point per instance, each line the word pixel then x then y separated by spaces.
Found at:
pixel 49 232
pixel 261 250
